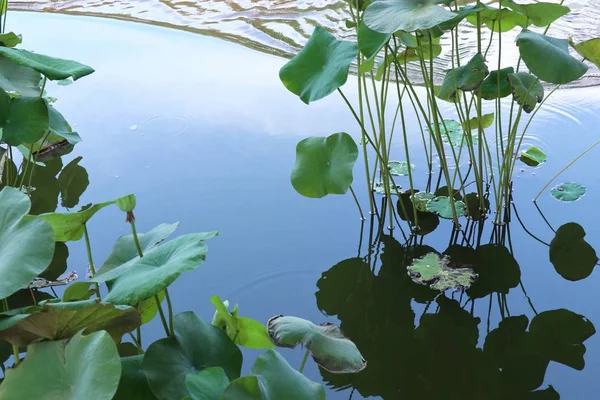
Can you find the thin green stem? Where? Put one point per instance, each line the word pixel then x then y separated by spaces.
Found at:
pixel 88 249
pixel 362 216
pixel 162 316
pixel 170 310
pixel 301 369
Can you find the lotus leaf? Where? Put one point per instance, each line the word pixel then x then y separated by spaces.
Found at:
pixel 399 168
pixel 573 258
pixel 527 90
pixel 389 16
pixel 533 156
pixel 433 271
pixel 442 206
pixel 70 226
pixel 466 78
pixel 568 191
pixel 52 68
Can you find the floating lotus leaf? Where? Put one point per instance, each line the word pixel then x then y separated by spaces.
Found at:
pixel 590 50
pixel 70 226
pixel 196 346
pixel 433 271
pixel 466 78
pixel 442 206
pixel 133 384
pixel 389 16
pixel 55 321
pixel 536 49
pixel 573 258
pixel 420 200
pixel 142 278
pixel 242 331
pixel 273 378
pixel 425 222
pixel 324 165
pixel 379 188
pixel 26 242
pixel 527 90
pixel 533 156
pixel 496 85
pixel 320 67
pixel 568 191
pixel 84 367
pixel 326 343
pixel 208 384
pixel 52 68
pixel 399 168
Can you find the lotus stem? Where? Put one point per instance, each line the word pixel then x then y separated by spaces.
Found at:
pixel 88 249
pixel 301 369
pixel 362 216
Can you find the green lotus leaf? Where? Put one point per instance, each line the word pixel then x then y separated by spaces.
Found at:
pixel 527 90
pixel 195 346
pixel 27 120
pixel 52 68
pixel 379 188
pixel 568 191
pixel 499 20
pixel 426 222
pixel 472 125
pixel 496 85
pixel 320 67
pixel 400 168
pixel 124 249
pixel 573 258
pixel 461 14
pixel 536 49
pixel 453 133
pixel 133 384
pixel 444 191
pixel 26 242
pixel 144 277
pixel 70 226
pixel 433 271
pixel 466 78
pixel 208 384
pixel 60 127
pixel 324 165
pixel 497 269
pixel 84 367
pixel 16 79
pixel 55 321
pixel 389 16
pixel 533 156
pixel 126 203
pixel 371 42
pixel 425 50
pixel 72 181
pixel 328 346
pixel 10 39
pixel 559 335
pixel 77 291
pixel 539 14
pixel 242 331
pixel 442 206
pixel 590 50
pixel 273 378
pixel 420 200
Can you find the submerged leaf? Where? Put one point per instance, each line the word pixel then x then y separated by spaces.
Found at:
pixel 527 90
pixel 442 206
pixel 320 67
pixel 326 343
pixel 433 271
pixel 568 191
pixel 573 258
pixel 533 156
pixel 399 168
pixel 324 165
pixel 389 16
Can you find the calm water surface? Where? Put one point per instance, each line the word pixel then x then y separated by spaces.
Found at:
pixel 203 132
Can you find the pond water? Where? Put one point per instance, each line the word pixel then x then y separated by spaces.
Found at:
pixel 203 132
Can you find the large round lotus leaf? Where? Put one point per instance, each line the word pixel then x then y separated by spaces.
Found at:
pixel 559 336
pixel 590 50
pixel 142 278
pixel 568 191
pixel 389 16
pixel 124 249
pixel 133 384
pixel 27 120
pixel 527 90
pixel 536 49
pixel 320 67
pixel 72 181
pixel 273 378
pixel 573 258
pixel 539 14
pixel 466 78
pixel 17 79
pixel 326 343
pixel 442 206
pixel 70 226
pixel 433 271
pixel 497 269
pixel 196 345
pixel 85 367
pixel 399 168
pixel 55 321
pixel 242 331
pixel 324 165
pixel 496 85
pixel 52 68
pixel 370 42
pixel 533 156
pixel 208 384
pixel 26 243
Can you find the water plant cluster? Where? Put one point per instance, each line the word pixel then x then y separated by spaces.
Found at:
pixel 492 104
